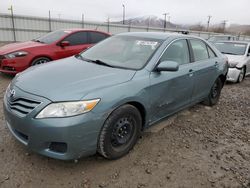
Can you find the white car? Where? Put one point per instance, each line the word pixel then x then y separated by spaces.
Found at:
pixel 238 54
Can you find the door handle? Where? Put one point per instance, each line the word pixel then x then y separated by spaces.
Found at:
pixel 216 64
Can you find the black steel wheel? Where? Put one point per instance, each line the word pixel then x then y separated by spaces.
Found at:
pixel 120 132
pixel 214 94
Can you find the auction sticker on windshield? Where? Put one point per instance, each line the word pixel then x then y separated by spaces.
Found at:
pixel 153 44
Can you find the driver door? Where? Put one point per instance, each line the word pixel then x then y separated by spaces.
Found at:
pixel 170 91
pixel 77 42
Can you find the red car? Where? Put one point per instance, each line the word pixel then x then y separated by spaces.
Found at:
pixel 17 57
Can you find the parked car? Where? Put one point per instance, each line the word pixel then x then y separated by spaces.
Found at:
pixel 101 99
pixel 238 54
pixel 217 38
pixel 17 57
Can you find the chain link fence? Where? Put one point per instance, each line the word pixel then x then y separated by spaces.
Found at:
pixel 23 28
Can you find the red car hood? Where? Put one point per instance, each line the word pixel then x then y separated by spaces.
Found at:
pixel 19 46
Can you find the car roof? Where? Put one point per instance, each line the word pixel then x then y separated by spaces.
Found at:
pixel 156 35
pixel 234 41
pixel 71 30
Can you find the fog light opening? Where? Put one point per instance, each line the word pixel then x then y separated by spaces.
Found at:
pixel 59 147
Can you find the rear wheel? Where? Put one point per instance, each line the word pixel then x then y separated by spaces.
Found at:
pixel 120 132
pixel 40 60
pixel 241 75
pixel 214 94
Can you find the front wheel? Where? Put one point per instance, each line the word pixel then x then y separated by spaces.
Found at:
pixel 120 132
pixel 40 60
pixel 214 94
pixel 241 75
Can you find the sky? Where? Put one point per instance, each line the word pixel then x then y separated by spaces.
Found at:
pixel 180 11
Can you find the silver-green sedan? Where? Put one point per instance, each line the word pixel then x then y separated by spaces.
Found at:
pixel 103 98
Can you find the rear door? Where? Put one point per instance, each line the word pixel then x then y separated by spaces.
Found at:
pixel 204 66
pixel 170 91
pixel 77 42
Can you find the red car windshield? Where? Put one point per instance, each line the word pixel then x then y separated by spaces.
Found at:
pixel 51 37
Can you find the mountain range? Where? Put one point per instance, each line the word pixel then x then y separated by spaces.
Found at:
pixel 154 21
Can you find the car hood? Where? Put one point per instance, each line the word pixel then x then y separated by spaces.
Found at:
pixel 235 58
pixel 69 79
pixel 9 48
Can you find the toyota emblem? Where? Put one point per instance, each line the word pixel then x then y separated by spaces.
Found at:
pixel 12 93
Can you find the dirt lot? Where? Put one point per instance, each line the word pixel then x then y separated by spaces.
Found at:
pixel 200 147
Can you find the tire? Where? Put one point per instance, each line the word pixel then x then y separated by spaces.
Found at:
pixel 241 75
pixel 214 93
pixel 120 132
pixel 40 60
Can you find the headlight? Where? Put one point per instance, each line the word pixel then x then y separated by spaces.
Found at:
pixel 66 109
pixel 16 54
pixel 233 64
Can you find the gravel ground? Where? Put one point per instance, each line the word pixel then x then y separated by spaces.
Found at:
pixel 198 147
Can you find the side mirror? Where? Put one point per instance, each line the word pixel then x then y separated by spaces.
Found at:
pixel 168 66
pixel 64 43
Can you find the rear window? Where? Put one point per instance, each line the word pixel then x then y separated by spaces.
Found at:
pixel 199 50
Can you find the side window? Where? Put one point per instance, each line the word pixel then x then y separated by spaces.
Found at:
pixel 77 38
pixel 96 37
pixel 199 50
pixel 178 52
pixel 211 52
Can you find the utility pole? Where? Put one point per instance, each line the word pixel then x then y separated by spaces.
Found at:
pixel 208 22
pixel 123 14
pixel 224 22
pixel 13 22
pixel 165 19
pixel 169 18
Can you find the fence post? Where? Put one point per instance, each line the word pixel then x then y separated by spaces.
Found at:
pixel 82 20
pixel 129 26
pixel 108 25
pixel 49 22
pixel 13 23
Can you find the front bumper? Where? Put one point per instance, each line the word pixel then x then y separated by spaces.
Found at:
pixel 233 74
pixel 15 65
pixel 79 133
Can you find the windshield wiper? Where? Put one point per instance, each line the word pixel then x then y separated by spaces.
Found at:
pixel 228 53
pixel 99 62
pixel 36 40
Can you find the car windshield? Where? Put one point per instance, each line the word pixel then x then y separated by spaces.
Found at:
pixel 51 37
pixel 231 48
pixel 127 52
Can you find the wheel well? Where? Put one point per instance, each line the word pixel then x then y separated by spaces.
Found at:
pixel 223 78
pixel 142 111
pixel 40 57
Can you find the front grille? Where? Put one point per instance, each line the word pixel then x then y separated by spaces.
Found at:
pixel 21 106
